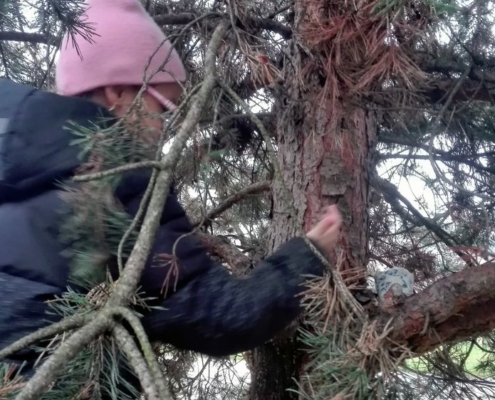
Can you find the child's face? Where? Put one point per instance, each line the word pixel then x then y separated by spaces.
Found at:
pixel 148 116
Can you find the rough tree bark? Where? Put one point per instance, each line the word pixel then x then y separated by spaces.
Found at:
pixel 323 150
pixel 452 309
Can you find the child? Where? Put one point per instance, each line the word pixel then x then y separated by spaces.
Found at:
pixel 210 311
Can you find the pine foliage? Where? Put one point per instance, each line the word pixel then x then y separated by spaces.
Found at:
pixel 425 69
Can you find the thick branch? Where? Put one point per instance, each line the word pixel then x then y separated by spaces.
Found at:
pixel 456 308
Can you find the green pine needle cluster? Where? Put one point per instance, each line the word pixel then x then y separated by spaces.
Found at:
pixel 96 222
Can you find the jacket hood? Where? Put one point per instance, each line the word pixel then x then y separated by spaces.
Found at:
pixel 35 141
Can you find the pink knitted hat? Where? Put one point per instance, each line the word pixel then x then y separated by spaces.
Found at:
pixel 125 40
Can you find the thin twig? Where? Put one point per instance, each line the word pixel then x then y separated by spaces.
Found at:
pixel 255 188
pixel 435 131
pixel 59 327
pixel 135 221
pixel 118 170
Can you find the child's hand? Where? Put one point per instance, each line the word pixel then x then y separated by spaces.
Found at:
pixel 326 232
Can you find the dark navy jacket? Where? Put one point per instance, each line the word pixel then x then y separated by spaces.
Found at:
pixel 211 311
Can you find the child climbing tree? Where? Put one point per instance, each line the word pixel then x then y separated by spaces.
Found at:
pixel 381 107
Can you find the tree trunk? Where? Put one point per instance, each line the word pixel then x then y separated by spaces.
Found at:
pixel 323 151
pixel 275 365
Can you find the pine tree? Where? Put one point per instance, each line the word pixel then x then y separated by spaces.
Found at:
pixel 382 106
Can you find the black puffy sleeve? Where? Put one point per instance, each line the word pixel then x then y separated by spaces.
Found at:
pixel 211 311
pixel 218 315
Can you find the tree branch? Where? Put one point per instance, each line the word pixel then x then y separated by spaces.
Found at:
pixel 403 141
pixel 269 25
pixel 458 307
pixel 118 170
pixel 445 157
pixel 475 88
pixel 179 19
pixel 36 38
pixel 60 327
pixel 255 188
pixel 269 117
pixel 227 252
pixel 129 280
pixel 146 348
pixel 128 346
pixel 392 196
pixel 249 22
pixel 447 65
pixel 52 367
